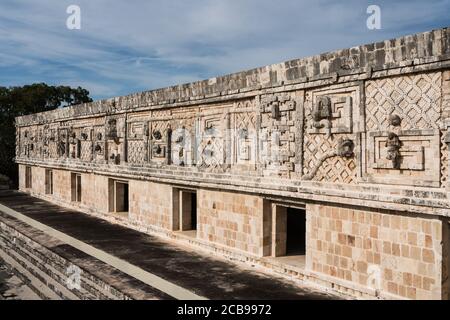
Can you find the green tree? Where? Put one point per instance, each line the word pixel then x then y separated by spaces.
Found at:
pixel 19 101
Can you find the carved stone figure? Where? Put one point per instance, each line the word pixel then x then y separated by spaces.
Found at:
pixel 321 111
pixel 393 145
pixel 61 148
pixel 157 135
pixel 395 120
pixel 345 148
pixel 112 128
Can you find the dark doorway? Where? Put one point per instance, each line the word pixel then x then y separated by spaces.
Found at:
pixel 122 197
pixel 188 210
pixel 194 211
pixel 296 232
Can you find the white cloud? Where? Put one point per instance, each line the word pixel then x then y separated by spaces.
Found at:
pixel 125 46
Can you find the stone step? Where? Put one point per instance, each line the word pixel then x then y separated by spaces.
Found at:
pixel 50 269
pixel 47 271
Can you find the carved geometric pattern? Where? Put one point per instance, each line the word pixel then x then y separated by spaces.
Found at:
pixel 278 134
pixel 136 151
pixel 444 160
pixel 52 150
pixel 245 120
pixel 244 136
pixel 335 169
pixel 86 150
pixel 160 144
pixel 160 126
pixel 415 98
pixel 211 152
pixel 316 146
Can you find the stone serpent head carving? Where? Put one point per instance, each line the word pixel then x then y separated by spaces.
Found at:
pixel 345 148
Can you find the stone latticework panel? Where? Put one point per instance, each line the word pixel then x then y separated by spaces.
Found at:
pixel 136 151
pixel 86 150
pixel 324 134
pixel 159 146
pixel 335 169
pixel 415 98
pixel 403 118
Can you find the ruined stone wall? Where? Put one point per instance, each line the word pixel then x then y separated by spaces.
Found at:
pixel 385 251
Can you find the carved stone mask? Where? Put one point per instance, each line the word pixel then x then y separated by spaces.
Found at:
pixel 395 120
pixel 157 149
pixel 322 109
pixel 157 135
pixel 345 148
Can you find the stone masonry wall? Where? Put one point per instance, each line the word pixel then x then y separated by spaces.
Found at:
pixel 61 186
pixel 94 190
pixel 385 251
pixel 366 125
pixel 150 204
pixel 231 219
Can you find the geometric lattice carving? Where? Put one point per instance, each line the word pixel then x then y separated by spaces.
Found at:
pixel 159 131
pixel 136 151
pixel 415 98
pixel 183 135
pixel 244 142
pixel 211 151
pixel 335 169
pixel 278 134
pixel 86 150
pixel 321 139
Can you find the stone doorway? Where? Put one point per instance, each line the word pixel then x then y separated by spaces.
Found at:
pixel 188 210
pixel 289 234
pixel 119 199
pixel 185 211
pixel 75 185
pixel 296 232
pixel 122 197
pixel 48 181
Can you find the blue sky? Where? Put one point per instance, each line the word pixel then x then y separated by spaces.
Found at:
pixel 127 46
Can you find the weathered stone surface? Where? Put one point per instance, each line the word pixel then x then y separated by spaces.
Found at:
pixel 365 128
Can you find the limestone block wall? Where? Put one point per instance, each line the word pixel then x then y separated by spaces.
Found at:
pixel 21 177
pixel 367 125
pixel 386 251
pixel 94 189
pixel 150 204
pixel 61 186
pixel 38 179
pixel 231 219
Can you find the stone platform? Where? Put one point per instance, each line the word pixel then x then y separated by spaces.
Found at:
pixel 45 243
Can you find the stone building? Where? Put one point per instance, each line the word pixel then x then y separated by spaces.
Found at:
pixel 331 169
